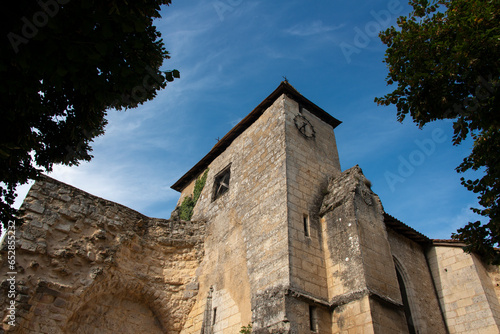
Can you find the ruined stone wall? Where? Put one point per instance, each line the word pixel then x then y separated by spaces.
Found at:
pixel 465 291
pixel 87 265
pixel 412 265
pixel 246 247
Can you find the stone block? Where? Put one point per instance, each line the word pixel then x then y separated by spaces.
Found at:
pixel 63 227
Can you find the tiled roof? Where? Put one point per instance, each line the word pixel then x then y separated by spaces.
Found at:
pixel 406 230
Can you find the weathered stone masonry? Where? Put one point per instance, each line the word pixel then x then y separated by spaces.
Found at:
pixel 87 265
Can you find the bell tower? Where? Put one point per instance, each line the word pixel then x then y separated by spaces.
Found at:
pixel 265 183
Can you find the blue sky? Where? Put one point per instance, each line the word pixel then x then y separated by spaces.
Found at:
pixel 234 53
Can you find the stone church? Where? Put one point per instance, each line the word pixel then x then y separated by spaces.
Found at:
pixel 280 239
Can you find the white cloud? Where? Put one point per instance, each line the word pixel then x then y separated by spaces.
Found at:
pixel 442 226
pixel 21 192
pixel 135 185
pixel 311 28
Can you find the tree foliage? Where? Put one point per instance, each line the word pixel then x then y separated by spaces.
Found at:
pixel 445 59
pixel 63 64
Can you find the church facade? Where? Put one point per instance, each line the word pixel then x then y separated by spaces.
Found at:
pixel 281 239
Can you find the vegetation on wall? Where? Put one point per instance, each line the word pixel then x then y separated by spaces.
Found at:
pixel 246 329
pixel 187 206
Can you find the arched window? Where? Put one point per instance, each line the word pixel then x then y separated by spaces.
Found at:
pixel 404 296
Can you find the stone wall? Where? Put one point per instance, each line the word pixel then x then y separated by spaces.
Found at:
pixel 466 291
pixel 412 265
pixel 257 228
pixel 246 247
pixel 359 263
pixel 310 162
pixel 87 265
pixel 494 273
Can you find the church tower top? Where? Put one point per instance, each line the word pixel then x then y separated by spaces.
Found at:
pixel 284 88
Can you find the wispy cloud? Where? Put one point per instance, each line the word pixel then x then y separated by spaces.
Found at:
pixel 135 185
pixel 441 226
pixel 311 28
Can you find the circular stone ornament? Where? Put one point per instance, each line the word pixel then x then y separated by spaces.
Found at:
pixel 304 126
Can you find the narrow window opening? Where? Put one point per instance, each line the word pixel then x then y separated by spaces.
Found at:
pixel 305 220
pixel 221 183
pixel 312 318
pixel 215 316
